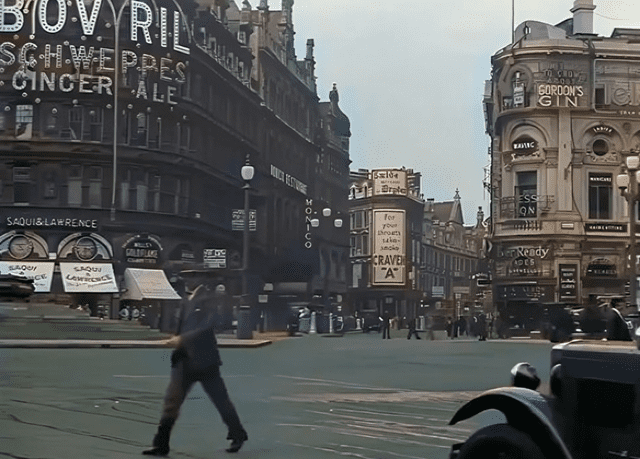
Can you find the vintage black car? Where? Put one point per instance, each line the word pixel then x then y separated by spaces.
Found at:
pixel 592 409
pixel 12 286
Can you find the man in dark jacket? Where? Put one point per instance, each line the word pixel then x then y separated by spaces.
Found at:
pixel 196 358
pixel 412 329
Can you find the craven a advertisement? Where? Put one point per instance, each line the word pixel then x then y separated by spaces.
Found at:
pixel 389 260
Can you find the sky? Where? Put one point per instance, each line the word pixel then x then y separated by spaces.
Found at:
pixel 411 75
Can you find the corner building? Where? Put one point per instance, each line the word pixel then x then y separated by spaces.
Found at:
pixel 563 113
pixel 386 217
pixel 124 125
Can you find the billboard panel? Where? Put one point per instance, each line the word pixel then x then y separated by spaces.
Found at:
pixel 389 182
pixel 389 260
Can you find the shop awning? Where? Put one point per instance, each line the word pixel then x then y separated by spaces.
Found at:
pixel 88 278
pixel 148 284
pixel 40 272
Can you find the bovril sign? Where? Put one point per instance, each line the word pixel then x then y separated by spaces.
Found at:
pixel 66 47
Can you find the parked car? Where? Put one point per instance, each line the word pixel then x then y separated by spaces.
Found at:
pixel 371 322
pixel 591 410
pixel 12 286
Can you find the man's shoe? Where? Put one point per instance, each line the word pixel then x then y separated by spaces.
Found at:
pixel 237 442
pixel 157 451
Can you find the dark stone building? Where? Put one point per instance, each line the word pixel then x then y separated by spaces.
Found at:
pixel 124 126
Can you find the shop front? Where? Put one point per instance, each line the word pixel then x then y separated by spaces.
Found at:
pixel 602 277
pixel 520 305
pixel 86 269
pixel 149 291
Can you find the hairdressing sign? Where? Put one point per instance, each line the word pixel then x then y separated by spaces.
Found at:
pixel 70 47
pixel 389 257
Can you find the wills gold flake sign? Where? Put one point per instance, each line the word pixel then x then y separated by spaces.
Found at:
pixel 389 259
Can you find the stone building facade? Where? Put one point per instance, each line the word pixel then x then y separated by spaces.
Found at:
pixel 562 111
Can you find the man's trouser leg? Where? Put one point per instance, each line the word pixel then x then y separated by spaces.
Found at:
pixel 178 388
pixel 215 388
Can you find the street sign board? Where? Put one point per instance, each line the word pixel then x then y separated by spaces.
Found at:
pixel 215 258
pixel 237 220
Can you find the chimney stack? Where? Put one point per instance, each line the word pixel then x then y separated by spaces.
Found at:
pixel 583 16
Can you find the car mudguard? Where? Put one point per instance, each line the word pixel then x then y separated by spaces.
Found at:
pixel 526 410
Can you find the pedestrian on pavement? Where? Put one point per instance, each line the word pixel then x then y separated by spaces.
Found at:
pixel 462 326
pixel 386 325
pixel 196 358
pixel 450 326
pixel 430 333
pixel 412 329
pixel 482 327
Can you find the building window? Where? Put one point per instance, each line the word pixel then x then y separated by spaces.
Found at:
pixel 125 186
pixel 600 147
pixel 142 188
pixel 600 196
pixel 51 128
pixel 525 193
pixel 50 190
pixel 182 197
pixel 21 185
pixel 74 186
pixel 95 125
pixel 139 133
pixel 155 191
pixel 75 123
pixel 155 139
pixel 4 121
pixel 24 122
pixel 95 187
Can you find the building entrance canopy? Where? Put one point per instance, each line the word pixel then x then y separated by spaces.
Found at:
pixel 88 278
pixel 148 284
pixel 41 273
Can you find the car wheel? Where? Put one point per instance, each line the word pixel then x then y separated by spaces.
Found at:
pixel 500 441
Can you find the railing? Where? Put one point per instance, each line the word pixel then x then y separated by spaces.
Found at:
pixel 530 206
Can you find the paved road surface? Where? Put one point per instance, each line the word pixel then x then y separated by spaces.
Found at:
pixel 307 397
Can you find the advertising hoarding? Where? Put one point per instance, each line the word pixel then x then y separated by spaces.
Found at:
pixel 389 182
pixel 389 257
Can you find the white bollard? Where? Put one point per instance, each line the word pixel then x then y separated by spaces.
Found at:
pixel 330 322
pixel 312 326
pixel 358 327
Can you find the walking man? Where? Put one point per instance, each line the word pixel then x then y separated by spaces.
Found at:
pixel 386 325
pixel 196 358
pixel 412 329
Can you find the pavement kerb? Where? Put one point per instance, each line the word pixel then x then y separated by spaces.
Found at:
pixel 119 344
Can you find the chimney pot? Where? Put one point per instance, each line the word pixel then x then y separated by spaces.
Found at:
pixel 583 16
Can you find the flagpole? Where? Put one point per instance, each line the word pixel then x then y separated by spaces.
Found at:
pixel 513 21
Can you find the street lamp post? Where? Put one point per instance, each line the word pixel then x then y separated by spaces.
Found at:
pixel 315 223
pixel 117 17
pixel 628 185
pixel 244 330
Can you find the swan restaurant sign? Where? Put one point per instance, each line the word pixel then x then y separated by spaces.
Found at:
pixel 389 259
